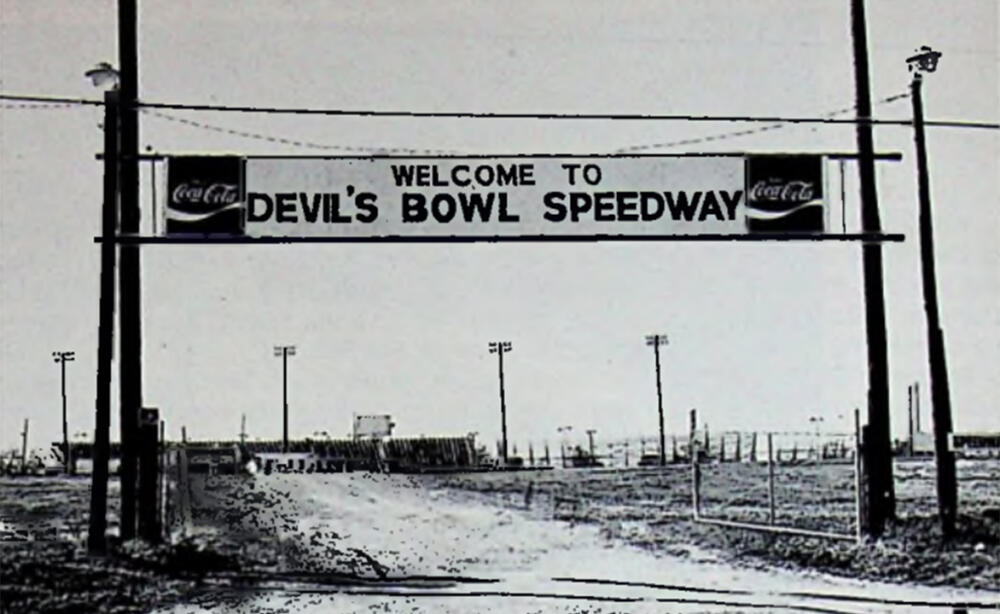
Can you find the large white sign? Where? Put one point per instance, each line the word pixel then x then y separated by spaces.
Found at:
pixel 483 196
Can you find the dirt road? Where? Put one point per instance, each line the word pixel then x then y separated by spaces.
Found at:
pixel 414 549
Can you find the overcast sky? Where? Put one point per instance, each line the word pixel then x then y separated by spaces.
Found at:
pixel 762 336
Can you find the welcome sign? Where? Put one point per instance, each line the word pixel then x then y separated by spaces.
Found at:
pixel 490 196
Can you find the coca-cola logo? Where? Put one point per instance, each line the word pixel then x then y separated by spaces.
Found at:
pixel 194 193
pixel 786 192
pixel 204 195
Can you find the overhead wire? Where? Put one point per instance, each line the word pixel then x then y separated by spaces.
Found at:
pixel 304 144
pixel 506 115
pixel 297 142
pixel 741 133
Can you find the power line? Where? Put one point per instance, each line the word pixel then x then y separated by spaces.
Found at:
pixel 405 150
pixel 739 133
pixel 498 115
pixel 425 151
pixel 50 101
pixel 296 142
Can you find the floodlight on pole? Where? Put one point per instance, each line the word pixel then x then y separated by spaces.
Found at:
pixel 500 348
pixel 61 358
pixel 656 341
pixel 104 75
pixel 284 351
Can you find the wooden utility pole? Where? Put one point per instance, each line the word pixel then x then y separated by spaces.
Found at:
pixel 105 332
pixel 130 307
pixel 944 456
pixel 881 497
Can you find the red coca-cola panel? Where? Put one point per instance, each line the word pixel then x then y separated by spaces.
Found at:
pixel 205 195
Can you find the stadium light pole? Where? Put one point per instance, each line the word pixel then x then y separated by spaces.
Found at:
pixel 284 351
pixel 925 61
pixel 656 341
pixel 500 348
pixel 62 358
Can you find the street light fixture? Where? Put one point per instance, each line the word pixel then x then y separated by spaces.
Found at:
pixel 925 61
pixel 284 351
pixel 104 75
pixel 500 348
pixel 656 341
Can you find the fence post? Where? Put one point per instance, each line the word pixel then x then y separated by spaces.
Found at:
pixel 770 478
pixel 753 447
pixel 722 448
pixel 695 470
pixel 739 452
pixel 184 488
